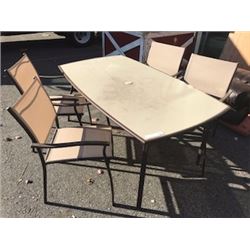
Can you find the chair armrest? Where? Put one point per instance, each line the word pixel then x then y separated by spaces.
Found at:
pixel 67 98
pixel 74 99
pixel 68 104
pixel 70 144
pixel 223 99
pixel 74 103
pixel 178 74
pixel 51 77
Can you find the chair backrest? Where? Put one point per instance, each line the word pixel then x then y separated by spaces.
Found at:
pixel 35 112
pixel 212 76
pixel 164 57
pixel 23 73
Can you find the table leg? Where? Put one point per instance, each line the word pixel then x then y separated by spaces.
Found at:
pixel 202 151
pixel 142 175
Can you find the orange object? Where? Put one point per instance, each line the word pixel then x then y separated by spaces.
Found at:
pixel 243 128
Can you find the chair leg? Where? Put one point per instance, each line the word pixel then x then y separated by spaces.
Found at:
pixel 40 153
pixel 204 159
pixel 198 157
pixel 214 129
pixel 45 184
pixel 111 180
pixel 108 121
pixel 34 150
pixel 90 118
pixel 200 150
pixel 57 122
pixel 72 89
pixel 78 116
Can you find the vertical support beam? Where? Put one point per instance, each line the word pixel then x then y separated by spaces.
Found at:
pixel 142 175
pixel 141 59
pixel 198 42
pixel 103 44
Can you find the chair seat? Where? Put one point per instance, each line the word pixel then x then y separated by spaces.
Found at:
pixel 69 110
pixel 87 133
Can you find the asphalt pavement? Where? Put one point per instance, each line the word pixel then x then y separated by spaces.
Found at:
pixel 173 187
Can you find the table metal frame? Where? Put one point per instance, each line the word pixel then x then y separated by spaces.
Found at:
pixel 146 144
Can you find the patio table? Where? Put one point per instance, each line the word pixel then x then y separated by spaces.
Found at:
pixel 147 103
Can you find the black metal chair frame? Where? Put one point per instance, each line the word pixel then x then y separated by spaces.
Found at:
pixel 73 99
pixel 39 147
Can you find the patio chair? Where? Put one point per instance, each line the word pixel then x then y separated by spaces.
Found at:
pixel 165 58
pixel 36 114
pixel 23 73
pixel 212 76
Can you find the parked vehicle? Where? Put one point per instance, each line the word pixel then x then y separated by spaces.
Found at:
pixel 81 39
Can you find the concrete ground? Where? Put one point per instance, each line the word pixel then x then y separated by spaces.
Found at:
pixel 172 186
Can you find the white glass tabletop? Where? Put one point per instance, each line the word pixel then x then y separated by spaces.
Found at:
pixel 145 102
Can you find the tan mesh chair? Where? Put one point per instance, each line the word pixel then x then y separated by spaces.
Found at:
pixel 212 76
pixel 36 114
pixel 23 73
pixel 165 58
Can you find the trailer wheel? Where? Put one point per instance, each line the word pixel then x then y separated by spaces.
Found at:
pixel 81 39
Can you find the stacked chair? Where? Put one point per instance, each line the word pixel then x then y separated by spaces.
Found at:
pixel 166 58
pixel 23 73
pixel 213 77
pixel 209 75
pixel 35 112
